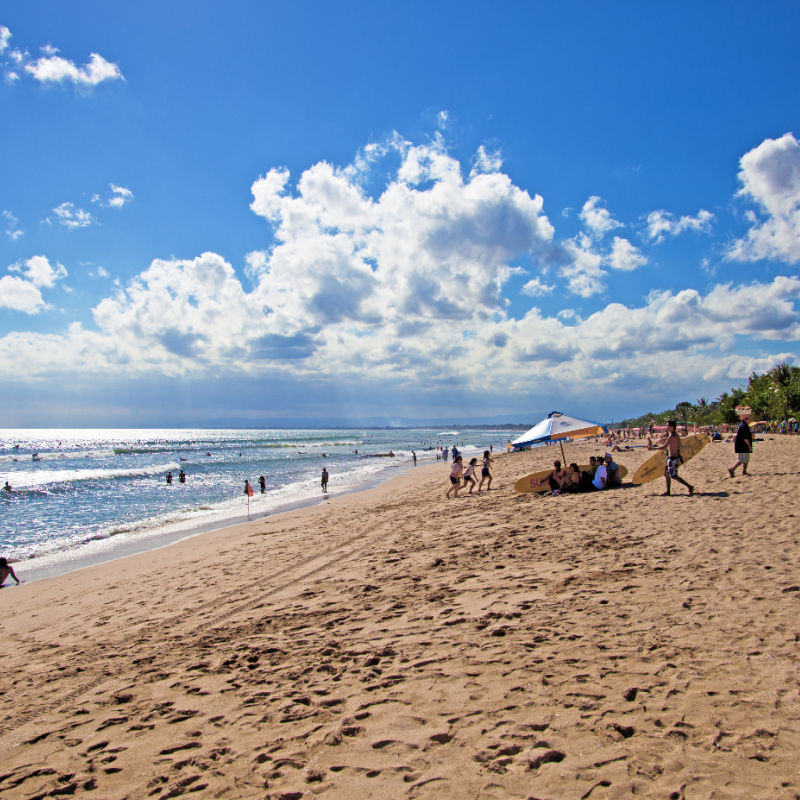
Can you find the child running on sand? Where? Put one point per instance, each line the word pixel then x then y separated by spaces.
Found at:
pixel 469 474
pixel 487 460
pixel 5 570
pixel 456 473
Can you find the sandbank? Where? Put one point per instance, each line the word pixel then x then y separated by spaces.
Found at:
pixel 393 643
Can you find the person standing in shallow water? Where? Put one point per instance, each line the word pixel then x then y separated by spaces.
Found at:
pixel 672 444
pixel 262 482
pixel 324 480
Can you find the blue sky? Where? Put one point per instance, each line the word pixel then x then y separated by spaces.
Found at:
pixel 307 212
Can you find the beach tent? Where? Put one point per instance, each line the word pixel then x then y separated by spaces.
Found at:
pixel 556 427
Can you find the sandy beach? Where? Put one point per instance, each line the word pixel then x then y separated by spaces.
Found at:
pixel 393 643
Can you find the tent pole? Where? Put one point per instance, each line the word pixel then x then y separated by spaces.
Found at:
pixel 564 462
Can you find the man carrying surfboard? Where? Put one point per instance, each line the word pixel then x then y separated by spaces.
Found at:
pixel 672 444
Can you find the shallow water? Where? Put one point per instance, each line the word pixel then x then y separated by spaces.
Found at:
pixel 81 492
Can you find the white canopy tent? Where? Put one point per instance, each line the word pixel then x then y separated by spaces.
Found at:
pixel 557 427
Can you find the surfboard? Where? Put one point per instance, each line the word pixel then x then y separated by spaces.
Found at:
pixel 654 466
pixel 536 482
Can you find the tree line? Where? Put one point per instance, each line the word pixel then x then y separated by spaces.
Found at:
pixel 773 396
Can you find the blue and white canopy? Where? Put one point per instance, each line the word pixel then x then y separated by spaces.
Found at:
pixel 558 426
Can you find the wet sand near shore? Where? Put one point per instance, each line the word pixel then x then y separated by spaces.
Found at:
pixel 394 644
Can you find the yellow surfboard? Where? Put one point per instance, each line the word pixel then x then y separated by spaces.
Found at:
pixel 536 482
pixel 654 466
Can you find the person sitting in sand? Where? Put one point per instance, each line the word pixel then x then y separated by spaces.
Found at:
pixel 600 476
pixel 487 460
pixel 672 444
pixel 612 468
pixel 5 570
pixel 456 473
pixel 555 477
pixel 587 476
pixel 572 481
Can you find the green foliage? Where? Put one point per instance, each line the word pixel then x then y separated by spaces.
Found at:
pixel 773 396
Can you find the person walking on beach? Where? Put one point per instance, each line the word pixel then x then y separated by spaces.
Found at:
pixel 5 570
pixel 324 480
pixel 414 457
pixel 487 460
pixel 456 473
pixel 743 442
pixel 672 444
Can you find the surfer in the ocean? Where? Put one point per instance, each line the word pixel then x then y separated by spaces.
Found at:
pixel 672 444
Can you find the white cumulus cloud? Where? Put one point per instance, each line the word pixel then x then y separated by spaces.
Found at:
pixel 661 224
pixel 536 287
pixel 597 219
pixel 770 177
pixel 625 256
pixel 72 217
pixel 40 272
pixel 20 295
pixel 12 225
pixel 52 68
pixel 120 195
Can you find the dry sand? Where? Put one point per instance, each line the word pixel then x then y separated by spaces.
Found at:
pixel 396 644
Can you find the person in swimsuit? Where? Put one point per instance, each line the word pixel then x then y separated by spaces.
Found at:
pixel 469 474
pixel 456 473
pixel 672 444
pixel 487 460
pixel 324 480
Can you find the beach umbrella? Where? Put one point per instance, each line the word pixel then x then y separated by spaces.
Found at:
pixel 556 427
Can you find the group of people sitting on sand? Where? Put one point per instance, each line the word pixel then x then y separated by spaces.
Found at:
pixel 603 473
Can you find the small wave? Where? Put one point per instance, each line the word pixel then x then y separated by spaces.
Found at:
pixel 448 433
pixel 39 478
pixel 123 451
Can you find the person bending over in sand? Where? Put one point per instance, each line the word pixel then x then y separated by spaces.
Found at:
pixel 487 460
pixel 469 474
pixel 672 444
pixel 456 473
pixel 5 570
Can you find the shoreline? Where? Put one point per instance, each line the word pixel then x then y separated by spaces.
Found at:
pixel 392 643
pixel 107 549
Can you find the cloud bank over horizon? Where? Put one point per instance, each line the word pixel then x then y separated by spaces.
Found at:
pixel 431 279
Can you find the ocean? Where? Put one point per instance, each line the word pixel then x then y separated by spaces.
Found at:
pixel 84 496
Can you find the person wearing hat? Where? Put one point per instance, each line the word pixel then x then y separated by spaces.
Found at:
pixel 614 478
pixel 743 442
